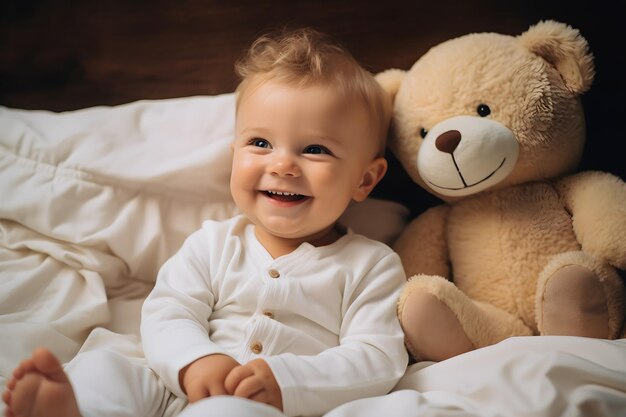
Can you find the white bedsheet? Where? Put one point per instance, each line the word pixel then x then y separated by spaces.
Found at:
pixel 92 202
pixel 525 376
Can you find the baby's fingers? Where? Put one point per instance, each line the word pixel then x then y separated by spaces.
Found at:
pixel 266 396
pixel 261 397
pixel 235 376
pixel 249 387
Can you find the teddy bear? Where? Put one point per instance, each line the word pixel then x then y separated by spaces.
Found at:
pixel 522 244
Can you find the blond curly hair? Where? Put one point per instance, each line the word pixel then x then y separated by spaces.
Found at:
pixel 305 57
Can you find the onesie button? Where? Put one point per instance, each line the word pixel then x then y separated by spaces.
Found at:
pixel 274 273
pixel 256 348
pixel 269 314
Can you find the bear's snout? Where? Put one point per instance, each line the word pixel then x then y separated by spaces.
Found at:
pixel 448 141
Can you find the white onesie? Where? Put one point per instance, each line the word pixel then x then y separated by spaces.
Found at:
pixel 324 318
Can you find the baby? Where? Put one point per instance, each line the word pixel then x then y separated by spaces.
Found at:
pixel 281 305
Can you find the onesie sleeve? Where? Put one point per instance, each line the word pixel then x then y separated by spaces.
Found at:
pixel 174 317
pixel 369 359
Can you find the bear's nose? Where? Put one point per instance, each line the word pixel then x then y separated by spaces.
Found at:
pixel 448 141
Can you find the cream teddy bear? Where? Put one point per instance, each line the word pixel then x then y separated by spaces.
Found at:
pixel 493 125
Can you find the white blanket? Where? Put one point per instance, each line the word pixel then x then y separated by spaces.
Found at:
pixel 92 202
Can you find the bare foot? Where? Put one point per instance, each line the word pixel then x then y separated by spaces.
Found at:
pixel 39 387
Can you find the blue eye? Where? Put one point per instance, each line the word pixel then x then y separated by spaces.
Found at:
pixel 260 143
pixel 317 150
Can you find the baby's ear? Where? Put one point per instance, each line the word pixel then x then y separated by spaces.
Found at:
pixel 390 80
pixel 373 174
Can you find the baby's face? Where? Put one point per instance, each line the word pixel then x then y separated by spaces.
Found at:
pixel 300 156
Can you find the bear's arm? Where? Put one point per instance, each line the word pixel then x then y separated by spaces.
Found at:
pixel 597 203
pixel 423 246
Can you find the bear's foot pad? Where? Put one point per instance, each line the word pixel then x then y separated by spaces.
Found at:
pixel 432 330
pixel 574 304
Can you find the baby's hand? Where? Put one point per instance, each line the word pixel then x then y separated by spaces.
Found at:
pixel 255 380
pixel 205 377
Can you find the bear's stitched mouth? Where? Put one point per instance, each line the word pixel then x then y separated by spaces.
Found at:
pixel 465 184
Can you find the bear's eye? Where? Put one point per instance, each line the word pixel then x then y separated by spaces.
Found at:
pixel 483 110
pixel 423 132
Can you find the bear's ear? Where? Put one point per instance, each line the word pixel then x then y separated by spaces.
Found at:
pixel 390 80
pixel 565 49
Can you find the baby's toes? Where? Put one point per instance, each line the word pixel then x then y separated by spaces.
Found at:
pixel 24 395
pixel 25 366
pixel 6 397
pixel 11 383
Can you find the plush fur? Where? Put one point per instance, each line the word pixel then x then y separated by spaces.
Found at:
pixel 493 125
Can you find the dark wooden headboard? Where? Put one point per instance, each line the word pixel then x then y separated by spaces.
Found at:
pixel 65 55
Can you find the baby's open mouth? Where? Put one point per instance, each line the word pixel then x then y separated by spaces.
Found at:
pixel 284 196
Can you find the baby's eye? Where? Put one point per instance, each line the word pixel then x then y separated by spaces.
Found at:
pixel 317 150
pixel 261 143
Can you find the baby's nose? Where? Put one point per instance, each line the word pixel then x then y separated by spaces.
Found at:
pixel 284 165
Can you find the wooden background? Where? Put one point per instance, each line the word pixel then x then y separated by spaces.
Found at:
pixel 66 55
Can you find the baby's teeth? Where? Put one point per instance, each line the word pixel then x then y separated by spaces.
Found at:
pixel 281 193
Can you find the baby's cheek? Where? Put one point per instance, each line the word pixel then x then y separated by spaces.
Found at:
pixel 330 179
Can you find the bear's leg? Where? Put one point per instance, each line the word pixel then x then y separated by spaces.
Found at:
pixel 574 304
pixel 578 295
pixel 440 321
pixel 431 329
